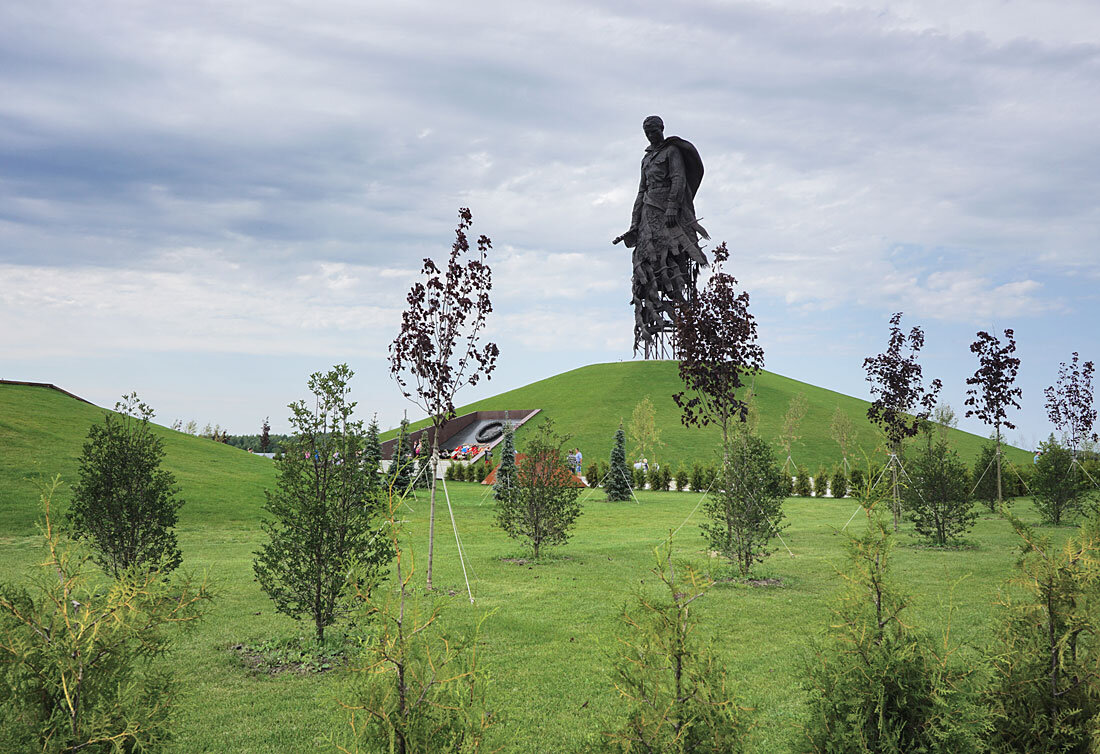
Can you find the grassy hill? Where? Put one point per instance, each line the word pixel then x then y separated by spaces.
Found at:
pixel 42 432
pixel 588 403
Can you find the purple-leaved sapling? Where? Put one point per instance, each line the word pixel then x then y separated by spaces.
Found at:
pixel 995 391
pixel 901 404
pixel 439 349
pixel 716 343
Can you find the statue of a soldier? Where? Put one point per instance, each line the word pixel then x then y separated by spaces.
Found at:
pixel 664 233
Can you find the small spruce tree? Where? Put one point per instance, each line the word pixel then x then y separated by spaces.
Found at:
pixel 505 480
pixel 372 455
pixel 618 484
pixel 401 467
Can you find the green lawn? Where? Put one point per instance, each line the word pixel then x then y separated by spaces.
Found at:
pixel 546 642
pixel 551 629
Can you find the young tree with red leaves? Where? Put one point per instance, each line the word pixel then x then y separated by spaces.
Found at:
pixel 995 391
pixel 898 392
pixel 438 350
pixel 1069 402
pixel 716 341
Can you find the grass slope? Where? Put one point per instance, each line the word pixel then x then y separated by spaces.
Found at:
pixel 42 433
pixel 588 403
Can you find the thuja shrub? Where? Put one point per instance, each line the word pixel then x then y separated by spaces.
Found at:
pixel 710 473
pixel 802 486
pixel 81 661
pixel 1045 692
pixel 839 482
pixel 983 478
pixel 786 484
pixel 698 477
pixel 674 692
pixel 416 685
pixel 592 474
pixel 876 683
pixel 682 478
pixel 654 477
pixel 639 478
pixel 821 482
pixel 856 479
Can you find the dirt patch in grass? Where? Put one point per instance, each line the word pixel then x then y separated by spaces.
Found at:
pixel 299 656
pixel 530 562
pixel 769 582
pixel 765 582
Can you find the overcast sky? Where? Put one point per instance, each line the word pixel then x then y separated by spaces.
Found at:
pixel 207 201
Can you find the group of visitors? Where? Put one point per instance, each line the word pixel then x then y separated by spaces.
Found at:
pixel 576 461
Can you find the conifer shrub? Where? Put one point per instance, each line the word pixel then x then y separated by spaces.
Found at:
pixel 604 473
pixel 878 684
pixel 592 474
pixel 710 474
pixel 839 482
pixel 821 482
pixel 856 480
pixel 698 477
pixel 983 478
pixel 1022 478
pixel 401 470
pixel 653 477
pixel 639 478
pixel 682 478
pixel 1045 689
pixel 674 690
pixel 786 483
pixel 802 486
pixel 618 477
pixel 82 665
pixel 506 470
